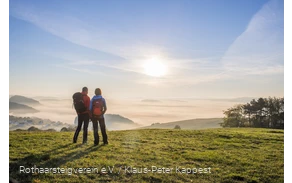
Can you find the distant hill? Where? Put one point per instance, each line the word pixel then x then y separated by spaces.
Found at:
pixel 118 118
pixel 188 124
pixel 21 108
pixel 238 100
pixel 24 100
pixel 24 123
pixel 115 122
pixel 118 122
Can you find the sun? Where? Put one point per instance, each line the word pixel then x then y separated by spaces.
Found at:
pixel 154 67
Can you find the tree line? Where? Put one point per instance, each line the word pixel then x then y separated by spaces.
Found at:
pixel 260 113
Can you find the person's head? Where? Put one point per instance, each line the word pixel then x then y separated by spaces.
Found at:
pixel 97 91
pixel 85 90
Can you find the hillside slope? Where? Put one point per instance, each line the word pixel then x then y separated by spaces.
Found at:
pixel 215 155
pixel 24 100
pixel 21 108
pixel 188 124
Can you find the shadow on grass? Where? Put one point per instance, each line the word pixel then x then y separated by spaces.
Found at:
pixel 44 160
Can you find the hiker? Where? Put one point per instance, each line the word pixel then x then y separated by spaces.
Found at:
pixel 97 109
pixel 82 109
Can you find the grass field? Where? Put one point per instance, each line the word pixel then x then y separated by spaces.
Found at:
pixel 214 155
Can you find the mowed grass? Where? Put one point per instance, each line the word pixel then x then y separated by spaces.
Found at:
pixel 234 155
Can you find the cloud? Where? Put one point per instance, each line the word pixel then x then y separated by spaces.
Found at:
pixel 76 69
pixel 259 49
pixel 99 67
pixel 71 28
pixel 270 70
pixel 83 62
pixel 188 77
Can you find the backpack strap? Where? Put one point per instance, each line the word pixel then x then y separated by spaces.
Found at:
pixel 92 102
pixel 83 95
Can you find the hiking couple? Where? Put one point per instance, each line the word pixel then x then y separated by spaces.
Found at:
pixel 87 109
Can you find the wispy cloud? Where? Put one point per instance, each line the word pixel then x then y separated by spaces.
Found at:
pixel 270 70
pixel 76 69
pixel 194 80
pixel 117 72
pixel 259 49
pixel 83 62
pixel 68 27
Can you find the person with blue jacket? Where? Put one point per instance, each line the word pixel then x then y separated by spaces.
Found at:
pixel 98 108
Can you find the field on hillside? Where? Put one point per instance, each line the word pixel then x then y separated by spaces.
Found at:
pixel 198 124
pixel 215 155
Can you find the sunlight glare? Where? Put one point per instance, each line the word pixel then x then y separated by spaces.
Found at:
pixel 155 68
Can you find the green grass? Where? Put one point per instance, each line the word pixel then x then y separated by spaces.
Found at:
pixel 234 155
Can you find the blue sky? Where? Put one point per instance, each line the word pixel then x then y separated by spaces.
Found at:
pixel 210 48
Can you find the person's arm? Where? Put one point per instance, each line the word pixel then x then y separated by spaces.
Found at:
pixel 87 103
pixel 104 106
pixel 90 107
pixel 90 104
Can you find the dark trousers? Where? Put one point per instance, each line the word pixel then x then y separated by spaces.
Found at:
pixel 102 128
pixel 82 118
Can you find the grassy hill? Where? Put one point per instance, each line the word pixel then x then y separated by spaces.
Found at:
pixel 224 155
pixel 188 124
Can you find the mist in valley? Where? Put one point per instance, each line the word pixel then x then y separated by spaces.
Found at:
pixel 142 112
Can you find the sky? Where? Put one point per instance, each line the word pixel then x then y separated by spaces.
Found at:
pixel 147 49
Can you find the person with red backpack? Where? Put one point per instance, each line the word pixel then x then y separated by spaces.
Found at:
pixel 81 103
pixel 97 109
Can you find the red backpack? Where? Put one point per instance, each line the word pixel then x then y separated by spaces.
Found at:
pixel 97 106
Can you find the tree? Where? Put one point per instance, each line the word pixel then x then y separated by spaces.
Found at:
pixel 234 117
pixel 263 113
pixel 32 128
pixel 68 129
pixel 177 127
pixel 248 110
